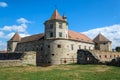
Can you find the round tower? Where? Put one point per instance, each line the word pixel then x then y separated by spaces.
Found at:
pixel 56 27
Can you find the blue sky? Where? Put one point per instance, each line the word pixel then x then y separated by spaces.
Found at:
pixel 86 16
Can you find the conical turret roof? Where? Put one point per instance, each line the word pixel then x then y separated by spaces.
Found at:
pixel 16 37
pixel 100 39
pixel 56 16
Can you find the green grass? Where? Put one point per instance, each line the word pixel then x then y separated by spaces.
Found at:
pixel 61 72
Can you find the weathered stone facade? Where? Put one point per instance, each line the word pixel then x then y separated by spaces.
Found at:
pixel 105 56
pixel 87 56
pixel 64 50
pixel 18 59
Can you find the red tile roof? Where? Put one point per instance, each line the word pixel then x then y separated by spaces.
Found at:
pixel 56 15
pixel 100 39
pixel 79 36
pixel 72 36
pixel 16 37
pixel 32 38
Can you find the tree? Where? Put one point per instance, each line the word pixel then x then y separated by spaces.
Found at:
pixel 117 48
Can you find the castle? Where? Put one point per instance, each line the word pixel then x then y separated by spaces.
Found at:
pixel 57 44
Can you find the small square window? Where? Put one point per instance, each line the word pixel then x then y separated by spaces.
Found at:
pixel 105 56
pixel 99 56
pixel 41 48
pixel 60 34
pixel 79 46
pixel 104 43
pixel 48 46
pixel 51 34
pixel 51 26
pixel 60 25
pixel 59 46
pixel 72 47
pixel 53 54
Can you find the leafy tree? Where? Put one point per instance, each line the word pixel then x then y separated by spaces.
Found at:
pixel 117 48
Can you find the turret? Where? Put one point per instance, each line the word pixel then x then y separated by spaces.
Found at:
pixel 12 43
pixel 102 43
pixel 56 27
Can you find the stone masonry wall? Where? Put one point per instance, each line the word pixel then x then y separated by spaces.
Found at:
pixel 105 55
pixel 6 63
pixel 28 58
pixel 63 51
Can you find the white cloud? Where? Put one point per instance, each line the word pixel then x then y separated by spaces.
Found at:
pixel 3 45
pixel 19 28
pixel 23 21
pixel 3 4
pixel 111 32
pixel 1 34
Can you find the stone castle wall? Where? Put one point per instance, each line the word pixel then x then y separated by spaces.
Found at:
pixel 6 63
pixel 106 46
pixel 29 46
pixel 28 58
pixel 106 55
pixel 63 51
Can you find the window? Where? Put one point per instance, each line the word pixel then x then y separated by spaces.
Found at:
pixel 60 34
pixel 104 43
pixel 79 46
pixel 105 56
pixel 71 46
pixel 89 48
pixel 85 47
pixel 51 34
pixel 114 55
pixel 66 35
pixel 48 46
pixel 59 46
pixel 41 48
pixel 60 25
pixel 51 26
pixel 53 54
pixel 99 56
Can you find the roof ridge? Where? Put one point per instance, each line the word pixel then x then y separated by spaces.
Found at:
pixel 33 35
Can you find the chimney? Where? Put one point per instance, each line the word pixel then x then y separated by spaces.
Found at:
pixel 64 17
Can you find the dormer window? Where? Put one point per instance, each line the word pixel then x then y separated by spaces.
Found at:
pixel 60 25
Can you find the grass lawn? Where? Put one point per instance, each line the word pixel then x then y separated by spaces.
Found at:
pixel 61 72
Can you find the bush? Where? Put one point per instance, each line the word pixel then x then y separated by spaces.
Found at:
pixel 117 49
